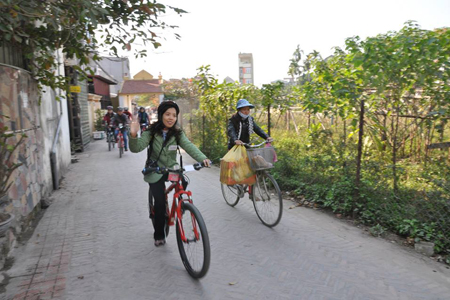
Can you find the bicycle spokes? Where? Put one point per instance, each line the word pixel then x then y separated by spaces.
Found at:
pixel 193 241
pixel 264 190
pixel 189 234
pixel 267 200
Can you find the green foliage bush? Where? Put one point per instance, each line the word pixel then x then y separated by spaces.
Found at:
pixel 420 209
pixel 99 120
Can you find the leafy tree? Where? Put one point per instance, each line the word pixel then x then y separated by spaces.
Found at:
pixel 275 95
pixel 217 103
pixel 409 72
pixel 147 100
pixel 181 89
pixel 295 63
pixel 40 28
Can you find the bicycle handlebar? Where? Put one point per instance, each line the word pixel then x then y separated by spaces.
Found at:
pixel 255 146
pixel 164 170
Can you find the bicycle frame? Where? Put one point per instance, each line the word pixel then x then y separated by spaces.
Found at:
pixel 176 207
pixel 121 140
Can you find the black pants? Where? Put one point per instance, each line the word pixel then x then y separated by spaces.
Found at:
pixel 157 202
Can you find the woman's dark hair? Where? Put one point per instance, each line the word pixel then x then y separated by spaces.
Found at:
pixel 158 126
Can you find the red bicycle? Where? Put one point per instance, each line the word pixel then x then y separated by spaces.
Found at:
pixel 192 235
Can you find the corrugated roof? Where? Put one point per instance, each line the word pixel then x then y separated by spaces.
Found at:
pixel 141 87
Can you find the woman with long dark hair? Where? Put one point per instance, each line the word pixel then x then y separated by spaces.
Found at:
pixel 162 140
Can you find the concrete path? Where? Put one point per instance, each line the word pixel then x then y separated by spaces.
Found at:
pixel 95 242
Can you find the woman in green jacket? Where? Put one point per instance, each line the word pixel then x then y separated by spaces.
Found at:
pixel 163 138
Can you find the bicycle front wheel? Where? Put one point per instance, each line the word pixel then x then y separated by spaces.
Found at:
pixel 109 142
pixel 195 250
pixel 230 194
pixel 120 152
pixel 267 199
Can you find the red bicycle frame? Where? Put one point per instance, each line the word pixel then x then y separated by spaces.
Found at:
pixel 121 140
pixel 176 207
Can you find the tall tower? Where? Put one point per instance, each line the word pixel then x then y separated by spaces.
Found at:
pixel 246 68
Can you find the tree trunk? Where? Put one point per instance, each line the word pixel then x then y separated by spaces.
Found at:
pixel 384 134
pixel 295 123
pixel 288 123
pixel 359 155
pixel 268 118
pixel 394 128
pixel 441 132
pixel 203 131
pixel 344 145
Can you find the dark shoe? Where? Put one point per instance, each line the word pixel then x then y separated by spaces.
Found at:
pixel 160 243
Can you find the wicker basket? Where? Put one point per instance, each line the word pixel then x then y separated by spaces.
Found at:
pixel 261 158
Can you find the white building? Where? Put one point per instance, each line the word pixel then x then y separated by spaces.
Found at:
pixel 246 68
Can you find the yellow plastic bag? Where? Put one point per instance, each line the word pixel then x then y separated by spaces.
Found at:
pixel 235 167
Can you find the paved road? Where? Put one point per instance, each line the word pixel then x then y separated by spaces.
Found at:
pixel 95 242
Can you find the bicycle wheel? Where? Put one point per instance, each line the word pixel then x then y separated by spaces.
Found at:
pixel 120 151
pixel 230 194
pixel 109 142
pixel 195 252
pixel 267 199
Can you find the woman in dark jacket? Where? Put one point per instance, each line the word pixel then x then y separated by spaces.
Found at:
pixel 241 125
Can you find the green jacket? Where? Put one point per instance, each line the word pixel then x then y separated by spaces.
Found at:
pixel 168 157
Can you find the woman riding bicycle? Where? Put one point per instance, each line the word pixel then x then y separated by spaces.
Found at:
pixel 162 140
pixel 241 125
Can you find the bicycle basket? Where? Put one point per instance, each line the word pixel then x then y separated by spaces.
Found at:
pixel 261 158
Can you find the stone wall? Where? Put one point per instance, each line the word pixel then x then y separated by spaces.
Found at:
pixel 19 102
pixel 24 112
pixel 84 113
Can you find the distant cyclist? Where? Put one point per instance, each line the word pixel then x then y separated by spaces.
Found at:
pixel 143 118
pixel 107 118
pixel 241 126
pixel 121 118
pixel 125 111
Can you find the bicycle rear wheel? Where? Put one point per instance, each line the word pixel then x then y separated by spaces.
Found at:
pixel 267 199
pixel 231 194
pixel 195 252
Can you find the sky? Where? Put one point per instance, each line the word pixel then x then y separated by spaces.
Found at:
pixel 215 32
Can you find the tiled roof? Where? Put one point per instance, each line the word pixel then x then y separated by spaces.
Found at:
pixel 141 87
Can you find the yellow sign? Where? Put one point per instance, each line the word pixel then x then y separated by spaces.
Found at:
pixel 75 89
